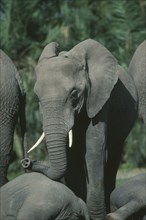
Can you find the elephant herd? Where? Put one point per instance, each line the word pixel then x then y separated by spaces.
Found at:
pixel 88 105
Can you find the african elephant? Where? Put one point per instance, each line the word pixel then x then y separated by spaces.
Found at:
pixel 137 70
pixel 128 201
pixel 12 102
pixel 86 91
pixel 33 196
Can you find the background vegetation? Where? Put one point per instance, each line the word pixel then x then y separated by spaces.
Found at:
pixel 28 25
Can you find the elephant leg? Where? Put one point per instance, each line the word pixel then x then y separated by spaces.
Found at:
pixel 6 144
pixel 125 211
pixel 95 157
pixel 111 167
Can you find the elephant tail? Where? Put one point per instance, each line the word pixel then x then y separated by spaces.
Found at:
pixel 137 70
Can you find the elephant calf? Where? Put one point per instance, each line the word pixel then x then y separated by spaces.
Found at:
pixel 128 201
pixel 33 196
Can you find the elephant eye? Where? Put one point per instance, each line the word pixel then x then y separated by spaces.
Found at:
pixel 74 96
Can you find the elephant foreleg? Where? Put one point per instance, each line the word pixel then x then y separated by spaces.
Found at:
pixel 95 159
pixel 111 167
pixel 6 144
pixel 125 211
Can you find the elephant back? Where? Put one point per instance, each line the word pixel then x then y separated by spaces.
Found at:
pixel 137 70
pixel 9 73
pixel 11 89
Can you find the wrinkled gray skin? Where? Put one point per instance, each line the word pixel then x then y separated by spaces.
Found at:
pixel 12 100
pixel 137 70
pixel 85 90
pixel 128 201
pixel 33 196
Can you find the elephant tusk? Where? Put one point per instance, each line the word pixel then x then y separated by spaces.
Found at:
pixel 70 138
pixel 37 143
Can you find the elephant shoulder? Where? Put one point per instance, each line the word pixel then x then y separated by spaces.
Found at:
pixel 9 73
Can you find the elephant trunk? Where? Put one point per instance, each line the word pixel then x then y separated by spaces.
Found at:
pixel 56 140
pixel 56 135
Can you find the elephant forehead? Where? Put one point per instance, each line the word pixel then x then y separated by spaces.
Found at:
pixel 58 75
pixel 59 65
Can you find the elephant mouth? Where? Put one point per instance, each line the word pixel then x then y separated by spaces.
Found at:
pixel 70 137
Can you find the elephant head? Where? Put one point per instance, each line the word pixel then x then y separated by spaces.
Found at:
pixel 83 76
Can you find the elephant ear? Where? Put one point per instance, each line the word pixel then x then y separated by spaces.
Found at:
pixel 51 50
pixel 101 68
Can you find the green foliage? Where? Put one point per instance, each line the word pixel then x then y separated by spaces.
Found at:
pixel 27 26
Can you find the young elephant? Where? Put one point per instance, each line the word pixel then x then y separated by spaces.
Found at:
pixel 12 100
pixel 128 201
pixel 33 196
pixel 84 92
